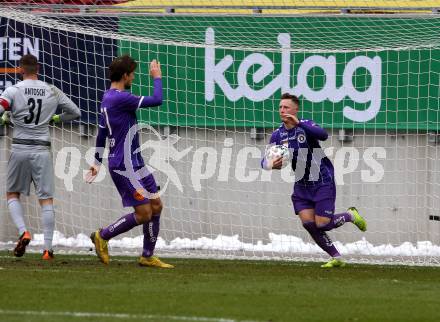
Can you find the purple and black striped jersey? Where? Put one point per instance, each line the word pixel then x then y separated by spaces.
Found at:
pixel 308 159
pixel 118 116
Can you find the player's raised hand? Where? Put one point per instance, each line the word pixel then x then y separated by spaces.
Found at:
pixel 292 119
pixel 155 71
pixel 277 163
pixel 92 173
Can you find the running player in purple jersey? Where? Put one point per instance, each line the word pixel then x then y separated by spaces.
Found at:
pixel 314 192
pixel 136 186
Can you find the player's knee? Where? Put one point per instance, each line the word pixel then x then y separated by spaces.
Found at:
pixel 143 214
pixel 12 195
pixel 157 206
pixel 321 220
pixel 46 202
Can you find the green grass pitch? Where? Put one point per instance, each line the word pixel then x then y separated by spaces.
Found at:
pixel 79 288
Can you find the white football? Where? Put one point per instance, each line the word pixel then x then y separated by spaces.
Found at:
pixel 276 151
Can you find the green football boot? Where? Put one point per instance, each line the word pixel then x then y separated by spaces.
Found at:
pixel 357 219
pixel 334 262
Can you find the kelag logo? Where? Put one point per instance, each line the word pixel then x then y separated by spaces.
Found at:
pixel 264 67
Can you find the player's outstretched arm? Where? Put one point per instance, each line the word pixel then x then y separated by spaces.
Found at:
pixel 156 99
pixel 314 130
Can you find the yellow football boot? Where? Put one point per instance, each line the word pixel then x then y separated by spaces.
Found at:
pixel 101 247
pixel 153 261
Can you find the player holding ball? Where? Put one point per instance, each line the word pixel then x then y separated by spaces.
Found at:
pixel 314 191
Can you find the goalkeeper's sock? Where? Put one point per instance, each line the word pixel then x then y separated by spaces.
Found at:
pixel 123 224
pixel 48 218
pixel 336 221
pixel 17 215
pixel 321 238
pixel 151 231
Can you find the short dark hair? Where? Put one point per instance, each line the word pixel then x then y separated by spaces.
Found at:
pixel 29 64
pixel 294 98
pixel 120 66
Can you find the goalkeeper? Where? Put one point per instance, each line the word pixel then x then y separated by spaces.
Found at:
pixel 314 192
pixel 31 105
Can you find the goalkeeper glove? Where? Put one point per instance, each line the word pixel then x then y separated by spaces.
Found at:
pixel 55 119
pixel 6 118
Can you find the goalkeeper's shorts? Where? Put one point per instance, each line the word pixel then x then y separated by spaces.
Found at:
pixel 25 168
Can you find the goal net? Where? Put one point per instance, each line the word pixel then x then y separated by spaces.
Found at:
pixel 371 80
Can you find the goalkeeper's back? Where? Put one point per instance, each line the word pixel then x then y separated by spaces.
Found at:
pixel 32 105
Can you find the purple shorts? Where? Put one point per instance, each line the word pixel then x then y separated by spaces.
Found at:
pixel 319 196
pixel 131 196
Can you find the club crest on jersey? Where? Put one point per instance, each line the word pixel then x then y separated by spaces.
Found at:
pixel 301 138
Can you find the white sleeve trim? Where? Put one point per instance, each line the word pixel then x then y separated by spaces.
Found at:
pixel 140 101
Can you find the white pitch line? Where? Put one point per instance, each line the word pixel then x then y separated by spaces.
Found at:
pixel 82 259
pixel 121 316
